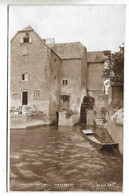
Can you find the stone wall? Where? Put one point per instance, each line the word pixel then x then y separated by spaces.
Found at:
pixel 71 70
pixel 84 76
pixel 17 119
pixel 115 96
pixel 96 85
pixel 55 83
pixel 31 59
pixel 45 71
pixel 95 73
pixel 68 121
pixel 115 126
pixel 116 132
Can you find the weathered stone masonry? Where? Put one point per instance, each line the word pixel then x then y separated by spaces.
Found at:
pixel 49 77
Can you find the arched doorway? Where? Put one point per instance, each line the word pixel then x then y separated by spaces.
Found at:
pixel 87 104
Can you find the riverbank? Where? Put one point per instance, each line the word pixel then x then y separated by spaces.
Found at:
pixel 29 120
pixel 115 128
pixel 28 125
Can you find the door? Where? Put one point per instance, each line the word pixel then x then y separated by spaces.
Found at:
pixel 24 98
pixel 87 104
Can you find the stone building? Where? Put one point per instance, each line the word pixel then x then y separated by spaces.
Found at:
pixel 96 63
pixel 46 77
pixel 73 74
pixel 30 71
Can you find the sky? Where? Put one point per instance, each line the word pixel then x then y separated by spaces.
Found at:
pixel 97 27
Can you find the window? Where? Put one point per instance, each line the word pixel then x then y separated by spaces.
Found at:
pixel 64 82
pixel 24 77
pixel 65 98
pixel 36 94
pixel 26 39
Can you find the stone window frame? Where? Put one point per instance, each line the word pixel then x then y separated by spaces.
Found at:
pixel 64 82
pixel 25 90
pixel 24 77
pixel 27 38
pixel 65 98
pixel 35 96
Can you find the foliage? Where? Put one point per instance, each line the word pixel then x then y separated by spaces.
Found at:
pixel 114 72
pixel 89 102
pixel 69 113
pixel 104 110
pixel 17 110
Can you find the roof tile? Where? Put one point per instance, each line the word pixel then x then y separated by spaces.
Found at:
pixel 69 50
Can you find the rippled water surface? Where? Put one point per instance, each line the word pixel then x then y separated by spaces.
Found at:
pixel 61 159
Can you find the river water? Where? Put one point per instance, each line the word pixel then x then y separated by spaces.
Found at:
pixel 54 158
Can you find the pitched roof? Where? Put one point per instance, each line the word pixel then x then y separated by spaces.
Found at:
pixel 69 50
pixel 72 50
pixel 28 28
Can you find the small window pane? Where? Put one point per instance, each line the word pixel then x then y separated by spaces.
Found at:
pixel 64 82
pixel 26 39
pixel 65 98
pixel 25 77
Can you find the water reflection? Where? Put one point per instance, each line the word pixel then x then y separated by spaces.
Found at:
pixel 61 159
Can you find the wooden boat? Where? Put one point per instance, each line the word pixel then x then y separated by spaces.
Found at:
pixel 94 139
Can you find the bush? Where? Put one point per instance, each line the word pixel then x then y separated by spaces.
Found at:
pixel 104 110
pixel 69 113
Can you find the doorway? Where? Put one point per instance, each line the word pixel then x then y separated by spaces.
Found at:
pixel 87 104
pixel 24 98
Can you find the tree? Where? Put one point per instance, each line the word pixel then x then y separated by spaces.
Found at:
pixel 114 71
